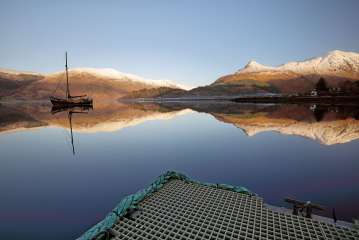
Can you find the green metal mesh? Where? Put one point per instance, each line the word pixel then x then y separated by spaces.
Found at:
pixel 131 201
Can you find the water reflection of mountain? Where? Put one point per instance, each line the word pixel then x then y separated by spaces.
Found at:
pixel 105 117
pixel 328 131
pixel 327 125
pixel 12 119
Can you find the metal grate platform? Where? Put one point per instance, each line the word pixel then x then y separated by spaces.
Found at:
pixel 189 211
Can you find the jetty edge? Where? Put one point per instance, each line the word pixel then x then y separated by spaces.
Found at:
pixel 132 201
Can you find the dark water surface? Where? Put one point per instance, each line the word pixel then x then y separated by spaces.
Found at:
pixel 306 152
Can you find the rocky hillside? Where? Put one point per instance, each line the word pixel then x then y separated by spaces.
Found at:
pixel 11 81
pixel 101 84
pixel 336 67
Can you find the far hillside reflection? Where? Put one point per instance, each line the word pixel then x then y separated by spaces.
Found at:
pixel 325 124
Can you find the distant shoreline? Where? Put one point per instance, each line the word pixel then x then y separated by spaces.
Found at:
pixel 332 100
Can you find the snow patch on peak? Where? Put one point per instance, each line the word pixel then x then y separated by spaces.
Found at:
pixel 119 76
pixel 334 61
pixel 16 72
pixel 252 63
pixel 253 66
pixel 340 53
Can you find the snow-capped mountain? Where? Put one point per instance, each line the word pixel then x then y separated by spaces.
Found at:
pixel 336 66
pixel 111 73
pixel 100 83
pixel 333 62
pixel 9 72
pixel 252 66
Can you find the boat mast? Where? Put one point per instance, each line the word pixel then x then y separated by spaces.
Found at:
pixel 67 81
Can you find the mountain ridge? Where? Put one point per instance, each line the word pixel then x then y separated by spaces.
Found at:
pixel 299 76
pixel 117 75
pixel 101 84
pixel 318 65
pixel 338 68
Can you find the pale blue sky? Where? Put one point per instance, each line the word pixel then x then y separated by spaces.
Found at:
pixel 189 41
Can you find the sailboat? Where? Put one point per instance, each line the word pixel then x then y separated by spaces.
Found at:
pixel 70 101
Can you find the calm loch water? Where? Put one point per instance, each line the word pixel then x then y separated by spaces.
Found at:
pixel 49 192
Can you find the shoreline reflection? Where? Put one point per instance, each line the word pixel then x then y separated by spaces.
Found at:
pixel 327 125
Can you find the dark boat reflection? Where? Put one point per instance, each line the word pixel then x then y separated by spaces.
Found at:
pixel 84 109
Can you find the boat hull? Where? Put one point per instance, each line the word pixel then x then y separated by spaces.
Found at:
pixel 60 108
pixel 71 102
